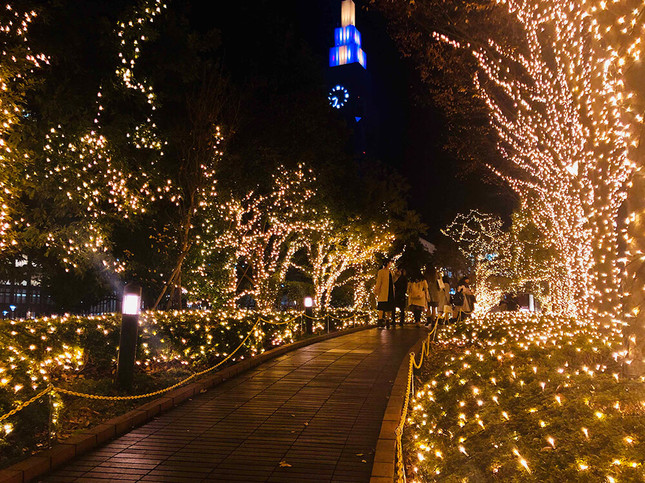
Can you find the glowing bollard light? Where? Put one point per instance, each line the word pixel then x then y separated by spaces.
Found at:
pixel 309 313
pixel 130 309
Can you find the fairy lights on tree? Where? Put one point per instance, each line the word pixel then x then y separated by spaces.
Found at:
pixel 566 122
pixel 18 64
pixel 84 179
pixel 531 258
pixel 200 151
pixel 344 254
pixel 263 232
pixel 481 239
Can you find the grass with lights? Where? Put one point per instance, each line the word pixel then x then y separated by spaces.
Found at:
pixel 79 353
pixel 522 397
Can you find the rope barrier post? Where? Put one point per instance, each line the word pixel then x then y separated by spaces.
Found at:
pixel 131 307
pixel 327 317
pixel 412 372
pixel 50 423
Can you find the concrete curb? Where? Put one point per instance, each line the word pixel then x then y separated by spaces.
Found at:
pixel 82 442
pixel 384 469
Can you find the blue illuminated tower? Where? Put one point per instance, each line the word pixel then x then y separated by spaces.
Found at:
pixel 347 39
pixel 350 86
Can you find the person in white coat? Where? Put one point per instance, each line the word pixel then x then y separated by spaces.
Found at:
pixel 384 291
pixel 467 304
pixel 445 308
pixel 418 296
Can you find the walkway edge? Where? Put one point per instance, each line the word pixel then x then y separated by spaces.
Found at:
pixel 384 468
pixel 80 443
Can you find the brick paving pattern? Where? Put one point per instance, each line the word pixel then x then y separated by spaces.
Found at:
pixel 313 414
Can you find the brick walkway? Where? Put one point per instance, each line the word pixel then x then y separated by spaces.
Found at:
pixel 310 415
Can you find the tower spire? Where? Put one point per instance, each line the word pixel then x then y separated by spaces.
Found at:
pixel 347 39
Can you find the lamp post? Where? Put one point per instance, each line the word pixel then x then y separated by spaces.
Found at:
pixel 130 309
pixel 309 313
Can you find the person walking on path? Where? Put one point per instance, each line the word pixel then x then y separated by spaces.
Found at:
pixel 445 308
pixel 418 296
pixel 384 291
pixel 467 299
pixel 400 297
pixel 433 277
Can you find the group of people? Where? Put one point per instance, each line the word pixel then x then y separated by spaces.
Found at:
pixel 423 294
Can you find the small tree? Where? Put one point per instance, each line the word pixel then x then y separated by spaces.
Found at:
pixel 481 239
pixel 532 258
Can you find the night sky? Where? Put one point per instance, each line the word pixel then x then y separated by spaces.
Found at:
pixel 411 132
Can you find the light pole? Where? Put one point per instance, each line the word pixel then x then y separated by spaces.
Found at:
pixel 130 309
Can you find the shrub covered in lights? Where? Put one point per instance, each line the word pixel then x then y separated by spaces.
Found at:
pixel 79 353
pixel 519 397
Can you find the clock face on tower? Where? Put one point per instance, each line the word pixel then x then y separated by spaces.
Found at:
pixel 338 96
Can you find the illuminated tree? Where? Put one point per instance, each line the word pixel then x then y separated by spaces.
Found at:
pixel 17 66
pixel 565 121
pixel 554 86
pixel 633 286
pixel 90 158
pixel 199 153
pixel 344 254
pixel 481 239
pixel 531 258
pixel 263 232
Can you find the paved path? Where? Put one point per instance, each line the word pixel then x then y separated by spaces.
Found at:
pixel 313 414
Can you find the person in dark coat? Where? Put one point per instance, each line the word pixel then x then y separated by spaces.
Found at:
pixel 400 296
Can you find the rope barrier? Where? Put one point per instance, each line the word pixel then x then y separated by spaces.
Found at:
pixel 25 404
pixel 69 392
pixel 425 350
pixel 160 391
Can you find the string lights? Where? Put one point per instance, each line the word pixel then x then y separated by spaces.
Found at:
pixel 86 173
pixel 566 120
pixel 520 396
pixel 343 255
pixel 18 63
pixel 479 236
pixel 70 350
pixel 264 231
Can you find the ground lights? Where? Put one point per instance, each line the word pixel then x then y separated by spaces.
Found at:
pixel 527 398
pixel 70 349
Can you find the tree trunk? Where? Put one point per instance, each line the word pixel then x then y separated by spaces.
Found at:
pixel 634 273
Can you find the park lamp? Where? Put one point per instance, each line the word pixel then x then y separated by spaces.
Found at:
pixel 131 304
pixel 309 314
pixel 130 308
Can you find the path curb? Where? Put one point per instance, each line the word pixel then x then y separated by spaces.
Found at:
pixel 384 469
pixel 80 443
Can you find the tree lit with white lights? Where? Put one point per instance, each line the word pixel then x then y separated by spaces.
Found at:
pixel 567 123
pixel 17 66
pixel 344 255
pixel 482 241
